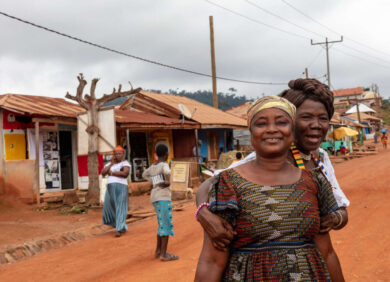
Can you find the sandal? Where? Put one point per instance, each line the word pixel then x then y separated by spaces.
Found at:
pixel 169 257
pixel 118 234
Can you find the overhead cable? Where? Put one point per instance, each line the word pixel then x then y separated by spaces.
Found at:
pixel 133 56
pixel 256 21
pixel 331 30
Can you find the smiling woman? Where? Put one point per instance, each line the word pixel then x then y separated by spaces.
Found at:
pixel 274 208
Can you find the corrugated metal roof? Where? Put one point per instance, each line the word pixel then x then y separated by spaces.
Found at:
pixel 39 105
pixel 240 110
pixel 348 91
pixel 139 119
pixel 167 104
pixel 363 116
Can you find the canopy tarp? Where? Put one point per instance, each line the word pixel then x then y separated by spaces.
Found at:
pixel 342 132
pixel 362 109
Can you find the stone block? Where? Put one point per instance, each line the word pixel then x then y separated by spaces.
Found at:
pixel 70 198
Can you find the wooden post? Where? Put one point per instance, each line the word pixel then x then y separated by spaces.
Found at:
pixel 213 70
pixel 128 144
pixel 306 73
pixel 37 163
pixel 197 153
pixel 2 156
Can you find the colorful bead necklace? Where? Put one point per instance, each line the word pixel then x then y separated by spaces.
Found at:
pixel 299 160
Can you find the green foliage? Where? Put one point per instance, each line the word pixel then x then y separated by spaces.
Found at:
pixel 225 100
pixel 74 210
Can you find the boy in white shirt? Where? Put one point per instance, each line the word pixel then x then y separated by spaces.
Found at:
pixel 159 174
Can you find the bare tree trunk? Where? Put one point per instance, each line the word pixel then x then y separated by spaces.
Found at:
pixel 93 194
pixel 92 105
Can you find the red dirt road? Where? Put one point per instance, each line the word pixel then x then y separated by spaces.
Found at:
pixel 363 246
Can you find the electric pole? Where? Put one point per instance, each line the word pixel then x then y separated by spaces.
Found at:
pixel 358 116
pixel 327 54
pixel 214 73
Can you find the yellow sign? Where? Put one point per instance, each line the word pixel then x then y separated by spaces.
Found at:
pixel 180 172
pixel 15 147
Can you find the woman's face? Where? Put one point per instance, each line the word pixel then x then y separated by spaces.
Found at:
pixel 271 132
pixel 118 156
pixel 311 125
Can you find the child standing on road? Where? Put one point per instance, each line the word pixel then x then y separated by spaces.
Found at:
pixel 159 174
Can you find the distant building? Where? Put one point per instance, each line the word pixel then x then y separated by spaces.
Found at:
pixel 349 96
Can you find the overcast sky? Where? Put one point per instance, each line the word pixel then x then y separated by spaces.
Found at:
pixel 176 32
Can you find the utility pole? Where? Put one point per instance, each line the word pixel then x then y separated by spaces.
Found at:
pixel 214 73
pixel 358 115
pixel 327 54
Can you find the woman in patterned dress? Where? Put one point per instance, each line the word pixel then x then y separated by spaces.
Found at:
pixel 314 104
pixel 274 207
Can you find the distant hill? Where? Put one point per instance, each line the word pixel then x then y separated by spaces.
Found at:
pixel 225 100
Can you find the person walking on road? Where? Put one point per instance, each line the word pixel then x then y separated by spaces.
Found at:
pixel 159 175
pixel 116 200
pixel 384 139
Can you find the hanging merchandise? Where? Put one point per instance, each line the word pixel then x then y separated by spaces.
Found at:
pixel 51 160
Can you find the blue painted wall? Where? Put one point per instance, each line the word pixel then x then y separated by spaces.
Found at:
pixel 202 135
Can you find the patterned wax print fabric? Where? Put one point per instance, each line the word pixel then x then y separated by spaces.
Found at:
pixel 275 226
pixel 164 217
pixel 116 206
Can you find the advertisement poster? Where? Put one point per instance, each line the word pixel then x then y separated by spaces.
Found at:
pixel 51 160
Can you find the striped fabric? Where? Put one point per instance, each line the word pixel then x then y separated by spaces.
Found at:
pixel 297 156
pixel 116 206
pixel 275 226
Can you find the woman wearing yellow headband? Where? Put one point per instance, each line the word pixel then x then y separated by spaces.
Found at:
pixel 274 207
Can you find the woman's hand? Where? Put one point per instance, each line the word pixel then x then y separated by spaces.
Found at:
pixel 218 229
pixel 335 220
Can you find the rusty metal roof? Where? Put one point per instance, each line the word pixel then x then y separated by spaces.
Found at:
pixel 136 119
pixel 348 91
pixel 240 110
pixel 168 105
pixel 39 105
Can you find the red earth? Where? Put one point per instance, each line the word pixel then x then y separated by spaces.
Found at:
pixel 362 246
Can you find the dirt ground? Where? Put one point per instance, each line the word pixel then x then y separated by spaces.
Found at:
pixel 362 246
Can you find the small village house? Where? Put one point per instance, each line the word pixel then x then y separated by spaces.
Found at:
pixel 55 118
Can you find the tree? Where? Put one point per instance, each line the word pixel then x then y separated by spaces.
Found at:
pixel 92 105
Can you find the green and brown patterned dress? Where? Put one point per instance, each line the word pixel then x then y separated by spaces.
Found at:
pixel 275 226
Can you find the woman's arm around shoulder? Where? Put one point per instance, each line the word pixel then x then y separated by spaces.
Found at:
pixel 220 232
pixel 324 245
pixel 212 262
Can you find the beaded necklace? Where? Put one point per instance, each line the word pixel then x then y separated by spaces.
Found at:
pixel 299 160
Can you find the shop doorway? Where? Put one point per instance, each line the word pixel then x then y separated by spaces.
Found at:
pixel 138 154
pixel 66 159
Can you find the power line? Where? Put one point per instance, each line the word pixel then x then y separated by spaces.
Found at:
pixel 294 34
pixel 308 30
pixel 315 58
pixel 133 56
pixel 281 18
pixel 331 30
pixel 360 58
pixel 256 21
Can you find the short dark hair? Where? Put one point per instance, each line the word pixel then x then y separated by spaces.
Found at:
pixel 238 155
pixel 302 89
pixel 161 150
